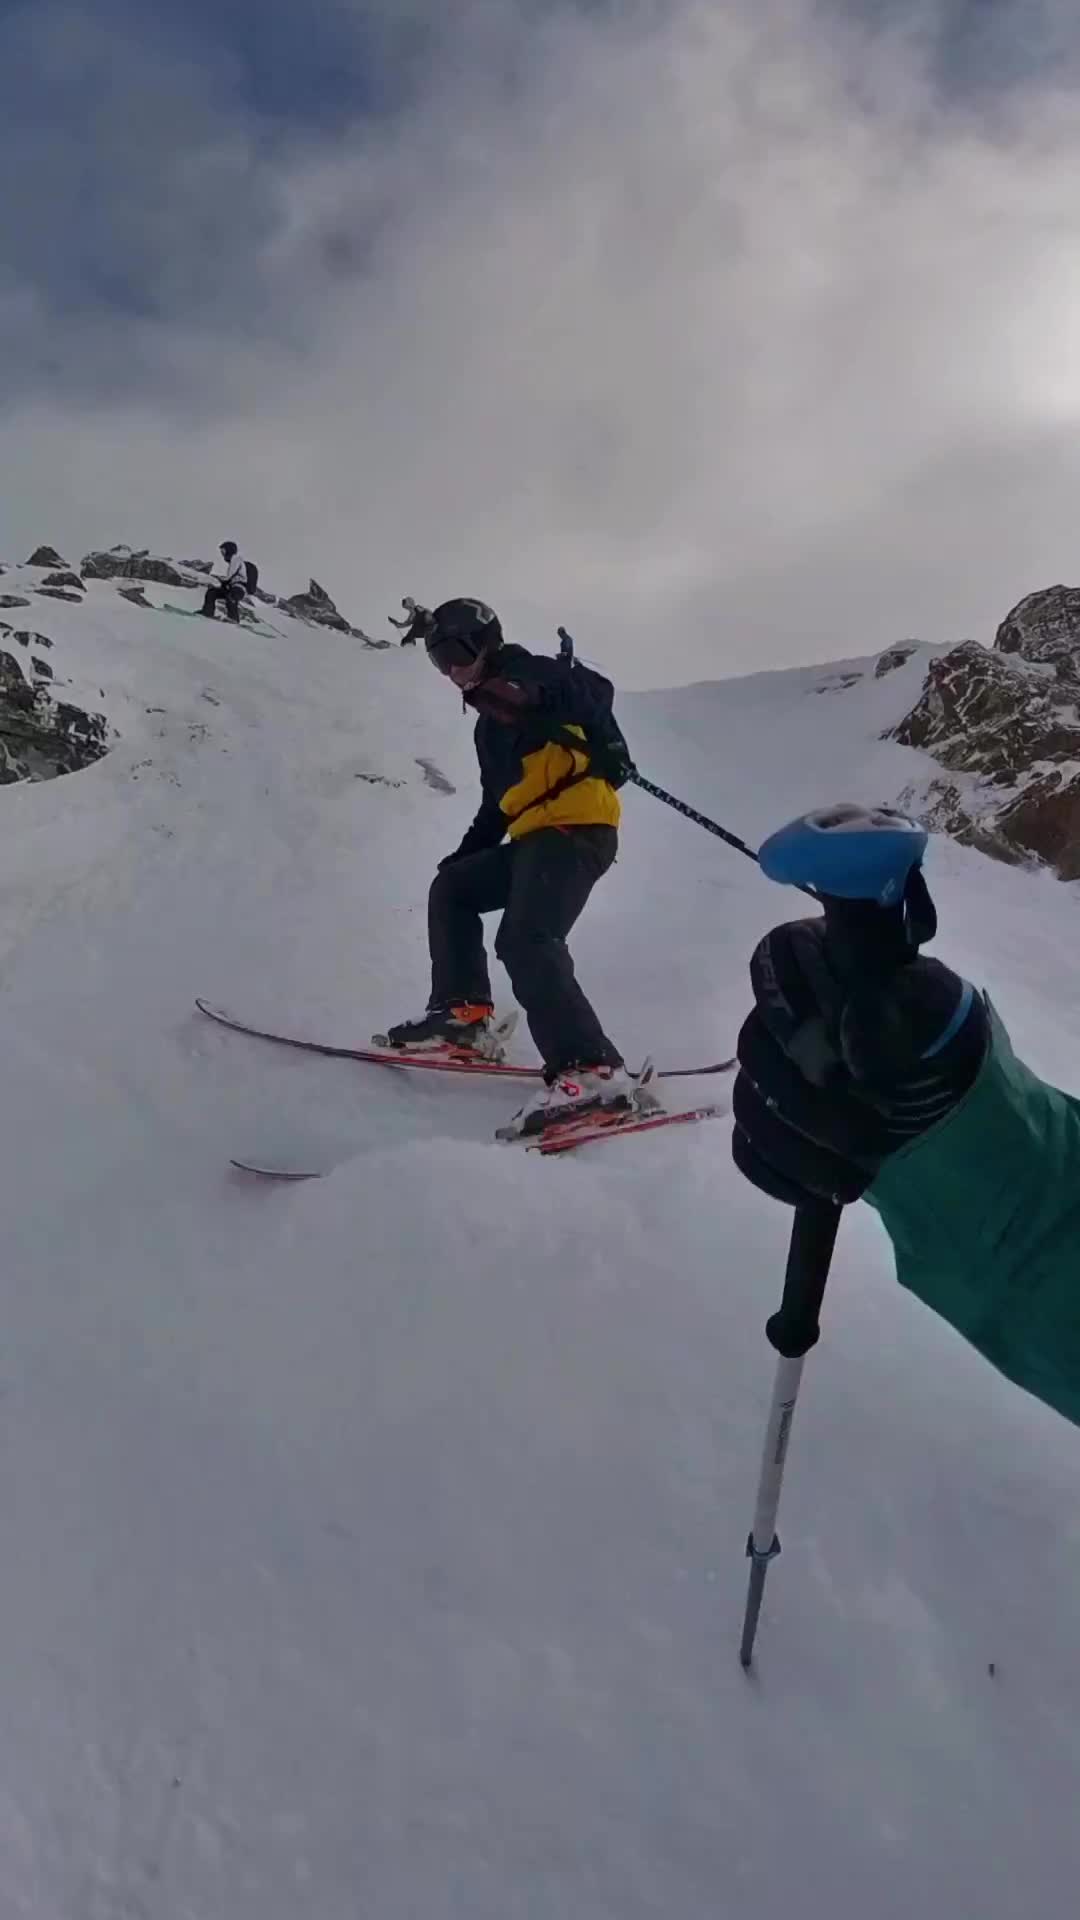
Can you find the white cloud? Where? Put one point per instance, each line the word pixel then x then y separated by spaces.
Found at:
pixel 714 332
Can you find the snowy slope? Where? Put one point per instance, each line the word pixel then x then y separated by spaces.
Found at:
pixel 374 1548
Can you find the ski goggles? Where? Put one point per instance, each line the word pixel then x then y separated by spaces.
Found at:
pixel 456 661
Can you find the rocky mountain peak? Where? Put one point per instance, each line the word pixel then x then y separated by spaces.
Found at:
pixel 1005 723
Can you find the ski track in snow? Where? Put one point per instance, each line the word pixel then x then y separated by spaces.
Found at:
pixel 375 1547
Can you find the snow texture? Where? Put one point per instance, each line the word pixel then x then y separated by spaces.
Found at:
pixel 374 1548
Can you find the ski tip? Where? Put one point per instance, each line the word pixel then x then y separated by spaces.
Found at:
pixel 262 1172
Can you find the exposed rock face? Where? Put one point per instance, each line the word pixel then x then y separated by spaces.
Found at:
pixel 1044 630
pixel 84 736
pixel 13 600
pixel 316 606
pixel 1007 722
pixel 13 685
pixel 37 738
pixel 838 682
pixel 46 557
pixel 121 563
pixel 12 769
pixel 59 593
pixel 137 596
pixel 64 579
pixel 894 657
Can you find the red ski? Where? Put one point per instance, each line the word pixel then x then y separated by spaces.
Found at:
pixel 590 1127
pixel 439 1060
pixel 566 1137
pixel 442 1060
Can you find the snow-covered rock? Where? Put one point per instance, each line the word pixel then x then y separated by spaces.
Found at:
pixel 123 563
pixel 1008 722
pixel 317 607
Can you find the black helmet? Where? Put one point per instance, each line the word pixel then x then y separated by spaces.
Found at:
pixel 228 548
pixel 463 634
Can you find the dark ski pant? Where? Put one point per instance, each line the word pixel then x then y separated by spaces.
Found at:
pixel 232 597
pixel 540 883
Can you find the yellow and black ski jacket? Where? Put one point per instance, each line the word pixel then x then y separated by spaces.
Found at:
pixel 530 778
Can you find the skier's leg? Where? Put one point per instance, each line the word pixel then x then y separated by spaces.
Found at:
pixel 459 894
pixel 554 873
pixel 210 600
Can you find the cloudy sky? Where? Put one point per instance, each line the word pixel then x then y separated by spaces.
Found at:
pixel 729 332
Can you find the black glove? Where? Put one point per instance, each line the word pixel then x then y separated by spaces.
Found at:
pixel 855 1046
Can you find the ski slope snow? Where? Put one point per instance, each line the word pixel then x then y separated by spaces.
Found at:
pixel 373 1549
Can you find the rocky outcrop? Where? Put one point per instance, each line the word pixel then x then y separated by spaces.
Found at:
pixel 1006 723
pixel 137 596
pixel 13 600
pixel 13 686
pixel 120 563
pixel 65 578
pixel 979 713
pixel 838 682
pixel 83 737
pixel 894 657
pixel 59 593
pixel 1044 630
pixel 12 769
pixel 39 737
pixel 316 607
pixel 46 557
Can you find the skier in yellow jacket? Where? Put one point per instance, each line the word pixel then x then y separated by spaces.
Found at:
pixel 546 832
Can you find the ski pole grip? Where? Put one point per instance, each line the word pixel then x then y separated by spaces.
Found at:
pixel 794 1328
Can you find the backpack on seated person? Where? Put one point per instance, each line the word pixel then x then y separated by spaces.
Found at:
pixel 252 572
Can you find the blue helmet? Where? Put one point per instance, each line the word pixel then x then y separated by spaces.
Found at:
pixel 847 852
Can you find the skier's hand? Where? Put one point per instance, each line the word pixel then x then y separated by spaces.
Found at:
pixel 855 1045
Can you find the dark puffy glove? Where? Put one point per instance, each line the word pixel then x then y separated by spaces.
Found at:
pixel 855 1046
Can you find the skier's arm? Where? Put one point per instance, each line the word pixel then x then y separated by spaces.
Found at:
pixel 540 698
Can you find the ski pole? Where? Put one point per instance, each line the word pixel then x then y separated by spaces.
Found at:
pixel 691 813
pixel 791 1332
pixel 566 653
pixel 637 779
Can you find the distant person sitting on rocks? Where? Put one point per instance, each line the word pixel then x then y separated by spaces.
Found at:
pixel 232 584
pixel 417 622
